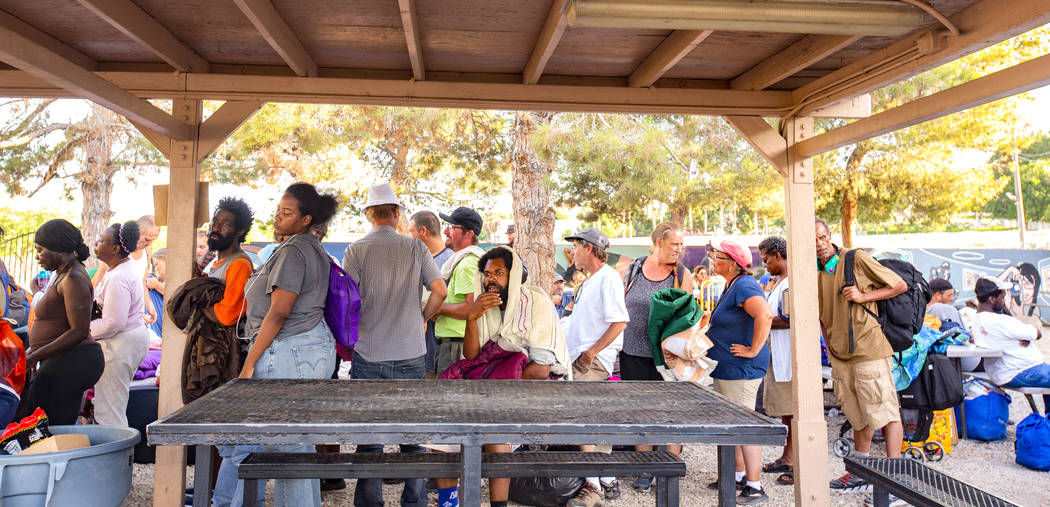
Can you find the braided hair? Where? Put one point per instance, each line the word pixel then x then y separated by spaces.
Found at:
pixel 126 237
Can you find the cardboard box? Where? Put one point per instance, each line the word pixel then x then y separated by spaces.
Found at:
pixel 66 442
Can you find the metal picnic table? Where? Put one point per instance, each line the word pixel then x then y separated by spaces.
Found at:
pixel 469 413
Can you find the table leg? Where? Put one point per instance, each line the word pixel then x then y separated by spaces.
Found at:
pixel 961 429
pixel 881 496
pixel 726 475
pixel 672 492
pixel 202 477
pixel 251 492
pixel 470 481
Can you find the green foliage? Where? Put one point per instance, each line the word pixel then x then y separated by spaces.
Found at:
pixel 24 221
pixel 436 157
pixel 1034 163
pixel 615 166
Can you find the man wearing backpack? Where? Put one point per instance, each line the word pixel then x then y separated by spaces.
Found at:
pixel 859 351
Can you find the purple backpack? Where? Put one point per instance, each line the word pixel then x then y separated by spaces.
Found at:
pixel 342 311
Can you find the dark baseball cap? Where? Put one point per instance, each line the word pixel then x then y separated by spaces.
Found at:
pixel 940 285
pixel 464 217
pixel 989 287
pixel 592 236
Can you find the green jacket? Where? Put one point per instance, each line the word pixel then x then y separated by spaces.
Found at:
pixel 670 311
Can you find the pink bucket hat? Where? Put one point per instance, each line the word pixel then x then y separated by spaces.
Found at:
pixel 740 254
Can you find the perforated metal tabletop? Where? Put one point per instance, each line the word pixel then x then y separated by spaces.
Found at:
pixel 470 413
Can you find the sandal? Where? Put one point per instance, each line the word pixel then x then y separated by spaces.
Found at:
pixel 777 466
pixel 786 478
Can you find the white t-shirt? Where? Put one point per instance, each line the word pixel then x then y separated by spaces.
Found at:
pixel 779 339
pixel 1003 332
pixel 599 303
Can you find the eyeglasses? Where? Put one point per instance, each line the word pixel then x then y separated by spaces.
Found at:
pixel 714 255
pixel 460 227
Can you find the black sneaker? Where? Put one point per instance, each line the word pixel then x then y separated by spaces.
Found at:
pixel 333 484
pixel 612 490
pixel 643 483
pixel 850 483
pixel 739 484
pixel 751 496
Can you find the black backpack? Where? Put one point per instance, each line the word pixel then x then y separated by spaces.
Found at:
pixel 937 386
pixel 901 316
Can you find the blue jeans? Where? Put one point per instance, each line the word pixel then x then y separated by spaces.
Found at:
pixel 229 490
pixel 310 354
pixel 1036 376
pixel 369 492
pixel 8 407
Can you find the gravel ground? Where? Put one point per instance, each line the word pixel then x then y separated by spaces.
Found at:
pixel 986 465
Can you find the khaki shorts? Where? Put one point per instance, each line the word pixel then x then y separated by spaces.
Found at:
pixel 865 390
pixel 776 396
pixel 593 373
pixel 449 351
pixel 744 392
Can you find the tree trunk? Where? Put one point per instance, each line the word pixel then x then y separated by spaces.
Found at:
pixel 680 213
pixel 850 192
pixel 96 180
pixel 533 213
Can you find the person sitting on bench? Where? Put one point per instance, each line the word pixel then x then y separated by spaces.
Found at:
pixel 1021 364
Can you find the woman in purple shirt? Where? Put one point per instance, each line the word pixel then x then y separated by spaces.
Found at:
pixel 120 330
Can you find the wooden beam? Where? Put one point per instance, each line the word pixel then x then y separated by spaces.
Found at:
pixel 856 107
pixel 279 35
pixel 790 60
pixel 23 53
pixel 675 47
pixel 982 24
pixel 223 122
pixel 809 430
pixel 159 141
pixel 548 39
pixel 29 32
pixel 410 22
pixel 134 22
pixel 763 138
pixel 169 477
pixel 1034 73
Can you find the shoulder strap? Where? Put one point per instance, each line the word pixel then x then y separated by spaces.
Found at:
pixel 632 272
pixel 848 263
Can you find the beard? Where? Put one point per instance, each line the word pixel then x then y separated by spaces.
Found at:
pixel 504 292
pixel 219 243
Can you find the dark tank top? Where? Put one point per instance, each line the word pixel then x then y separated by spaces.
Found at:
pixel 51 320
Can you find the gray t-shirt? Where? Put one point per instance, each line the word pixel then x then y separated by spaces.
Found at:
pixel 945 313
pixel 638 298
pixel 299 265
pixel 391 271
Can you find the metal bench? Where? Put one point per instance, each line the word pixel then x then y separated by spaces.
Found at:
pixel 917 484
pixel 662 465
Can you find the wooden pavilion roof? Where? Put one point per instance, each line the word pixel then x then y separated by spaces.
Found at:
pixel 517 54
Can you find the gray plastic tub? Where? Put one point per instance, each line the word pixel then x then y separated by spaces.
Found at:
pixel 99 475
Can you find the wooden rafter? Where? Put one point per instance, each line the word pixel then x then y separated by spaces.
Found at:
pixel 982 24
pixel 159 141
pixel 279 35
pixel 675 47
pixel 548 39
pixel 39 61
pixel 427 93
pixel 1020 78
pixel 134 22
pixel 14 25
pixel 792 59
pixel 763 138
pixel 410 22
pixel 223 122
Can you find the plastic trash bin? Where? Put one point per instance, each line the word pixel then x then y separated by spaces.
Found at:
pixel 95 476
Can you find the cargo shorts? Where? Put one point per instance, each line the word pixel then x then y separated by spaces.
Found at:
pixel 865 390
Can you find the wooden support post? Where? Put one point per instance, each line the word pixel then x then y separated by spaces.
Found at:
pixel 169 475
pixel 810 444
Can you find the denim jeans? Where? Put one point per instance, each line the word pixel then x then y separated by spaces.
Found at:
pixel 229 490
pixel 306 355
pixel 369 492
pixel 1036 376
pixel 8 407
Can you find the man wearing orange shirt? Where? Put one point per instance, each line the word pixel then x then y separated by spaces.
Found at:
pixel 229 227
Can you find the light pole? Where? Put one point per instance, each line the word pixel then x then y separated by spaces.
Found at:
pixel 1019 199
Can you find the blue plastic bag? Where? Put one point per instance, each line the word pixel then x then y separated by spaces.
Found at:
pixel 1032 447
pixel 986 416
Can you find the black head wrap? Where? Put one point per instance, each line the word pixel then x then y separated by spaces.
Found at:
pixel 59 235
